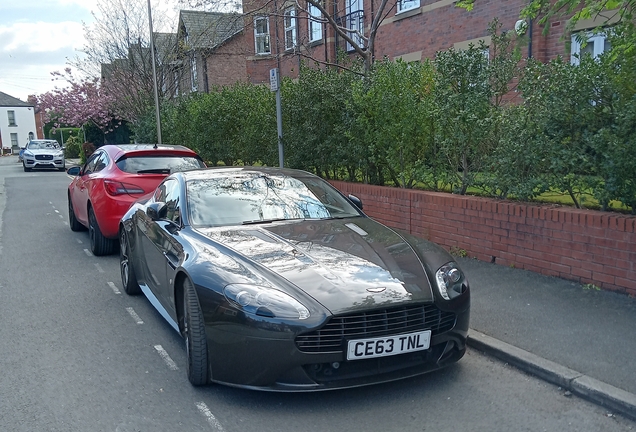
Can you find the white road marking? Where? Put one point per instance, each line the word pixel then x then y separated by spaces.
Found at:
pixel 164 355
pixel 79 241
pixel 114 288
pixel 99 268
pixel 212 421
pixel 87 252
pixel 61 217
pixel 133 314
pixel 56 211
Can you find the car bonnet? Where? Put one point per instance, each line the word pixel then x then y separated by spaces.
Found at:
pixel 346 265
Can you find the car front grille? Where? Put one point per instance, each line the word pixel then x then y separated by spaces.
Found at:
pixel 382 322
pixel 43 157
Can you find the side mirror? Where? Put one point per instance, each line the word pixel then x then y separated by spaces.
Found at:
pixel 74 171
pixel 356 201
pixel 157 211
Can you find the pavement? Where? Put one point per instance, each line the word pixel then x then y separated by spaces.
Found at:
pixel 576 337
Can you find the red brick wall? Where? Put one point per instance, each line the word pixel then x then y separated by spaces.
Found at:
pixel 586 246
pixel 226 65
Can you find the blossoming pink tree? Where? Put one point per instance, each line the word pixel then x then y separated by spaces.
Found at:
pixel 82 101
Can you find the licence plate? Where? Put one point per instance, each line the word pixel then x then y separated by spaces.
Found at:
pixel 389 345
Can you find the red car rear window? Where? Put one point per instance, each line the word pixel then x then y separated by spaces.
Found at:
pixel 158 164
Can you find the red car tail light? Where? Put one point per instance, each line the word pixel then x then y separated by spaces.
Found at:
pixel 119 188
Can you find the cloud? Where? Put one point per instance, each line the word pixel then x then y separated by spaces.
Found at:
pixel 41 36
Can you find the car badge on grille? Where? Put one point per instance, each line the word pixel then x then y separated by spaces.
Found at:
pixel 376 290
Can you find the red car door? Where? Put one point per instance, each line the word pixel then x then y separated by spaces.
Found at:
pixel 82 186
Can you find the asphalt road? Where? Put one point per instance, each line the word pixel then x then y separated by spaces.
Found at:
pixel 78 354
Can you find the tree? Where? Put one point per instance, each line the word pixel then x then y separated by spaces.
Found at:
pixel 117 50
pixel 83 101
pixel 577 9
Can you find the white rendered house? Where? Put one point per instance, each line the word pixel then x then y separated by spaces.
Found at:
pixel 17 123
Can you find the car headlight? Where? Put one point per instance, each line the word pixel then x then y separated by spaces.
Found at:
pixel 450 281
pixel 266 302
pixel 59 154
pixel 29 155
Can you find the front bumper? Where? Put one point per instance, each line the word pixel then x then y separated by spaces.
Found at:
pixel 53 162
pixel 253 355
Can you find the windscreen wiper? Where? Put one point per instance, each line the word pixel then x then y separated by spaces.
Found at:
pixel 155 171
pixel 263 221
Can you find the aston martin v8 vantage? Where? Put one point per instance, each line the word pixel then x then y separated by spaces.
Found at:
pixel 279 282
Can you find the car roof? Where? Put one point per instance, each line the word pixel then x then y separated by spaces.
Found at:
pixel 213 172
pixel 116 151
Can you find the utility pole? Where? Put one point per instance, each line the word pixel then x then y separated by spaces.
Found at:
pixel 154 75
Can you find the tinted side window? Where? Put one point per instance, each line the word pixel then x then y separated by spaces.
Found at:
pixel 89 167
pixel 101 162
pixel 172 201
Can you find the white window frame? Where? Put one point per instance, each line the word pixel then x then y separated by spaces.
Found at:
pixel 290 24
pixel 407 5
pixel 14 140
pixel 193 73
pixel 263 37
pixel 315 26
pixel 355 22
pixel 11 118
pixel 598 41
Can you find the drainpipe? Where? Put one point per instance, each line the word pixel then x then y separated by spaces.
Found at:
pixel 530 38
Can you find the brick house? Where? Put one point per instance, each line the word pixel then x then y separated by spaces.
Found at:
pixel 211 49
pixel 412 30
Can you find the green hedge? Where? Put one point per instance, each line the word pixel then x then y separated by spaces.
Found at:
pixel 500 127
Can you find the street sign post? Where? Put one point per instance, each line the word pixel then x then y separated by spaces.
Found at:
pixel 274 84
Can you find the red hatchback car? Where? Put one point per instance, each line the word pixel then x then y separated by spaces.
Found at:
pixel 112 179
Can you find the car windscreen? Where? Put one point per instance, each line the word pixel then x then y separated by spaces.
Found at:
pixel 42 145
pixel 159 164
pixel 255 197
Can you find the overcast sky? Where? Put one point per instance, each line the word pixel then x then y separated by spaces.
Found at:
pixel 38 36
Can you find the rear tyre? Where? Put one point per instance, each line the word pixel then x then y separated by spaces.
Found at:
pixel 194 334
pixel 72 220
pixel 128 278
pixel 100 245
pixel 25 168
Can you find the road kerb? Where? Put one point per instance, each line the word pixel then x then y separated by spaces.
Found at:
pixel 617 400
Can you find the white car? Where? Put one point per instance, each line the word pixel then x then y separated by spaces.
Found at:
pixel 43 154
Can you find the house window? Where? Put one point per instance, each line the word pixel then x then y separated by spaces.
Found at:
pixel 11 115
pixel 315 26
pixel 596 45
pixel 290 28
pixel 14 140
pixel 193 73
pixel 261 35
pixel 355 22
pixel 404 5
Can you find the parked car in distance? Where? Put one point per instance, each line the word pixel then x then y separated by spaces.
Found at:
pixel 278 282
pixel 114 177
pixel 42 154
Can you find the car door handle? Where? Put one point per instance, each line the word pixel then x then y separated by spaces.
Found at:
pixel 171 263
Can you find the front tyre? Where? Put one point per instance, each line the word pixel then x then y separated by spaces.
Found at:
pixel 195 339
pixel 100 245
pixel 128 278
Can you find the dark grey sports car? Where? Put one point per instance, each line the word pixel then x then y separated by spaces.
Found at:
pixel 279 282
